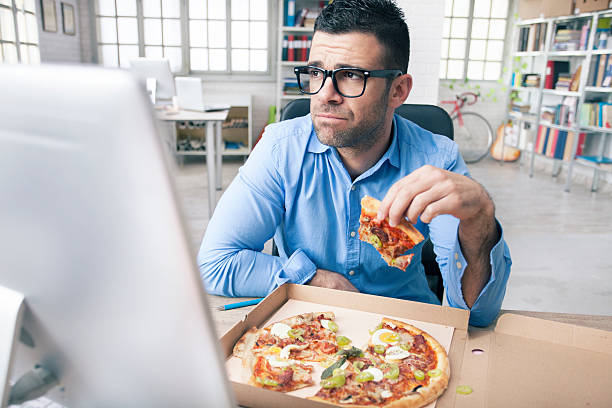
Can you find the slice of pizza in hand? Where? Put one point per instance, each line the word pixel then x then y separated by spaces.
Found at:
pixel 390 242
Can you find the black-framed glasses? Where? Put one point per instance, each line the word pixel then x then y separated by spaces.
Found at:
pixel 348 82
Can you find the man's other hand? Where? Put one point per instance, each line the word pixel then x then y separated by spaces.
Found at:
pixel 332 280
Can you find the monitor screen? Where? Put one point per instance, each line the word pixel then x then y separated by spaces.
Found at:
pixel 158 68
pixel 93 236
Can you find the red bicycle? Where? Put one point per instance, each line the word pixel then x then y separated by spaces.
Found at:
pixel 473 133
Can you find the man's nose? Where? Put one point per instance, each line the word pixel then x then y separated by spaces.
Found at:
pixel 328 93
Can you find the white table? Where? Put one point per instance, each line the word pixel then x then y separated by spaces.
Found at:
pixel 214 148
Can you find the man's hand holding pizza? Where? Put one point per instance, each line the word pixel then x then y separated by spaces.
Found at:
pixel 429 192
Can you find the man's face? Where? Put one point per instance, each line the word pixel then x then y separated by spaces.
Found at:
pixel 348 122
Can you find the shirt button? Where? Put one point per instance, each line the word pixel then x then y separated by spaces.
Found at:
pixel 456 256
pixel 351 273
pixel 458 265
pixel 353 188
pixel 352 233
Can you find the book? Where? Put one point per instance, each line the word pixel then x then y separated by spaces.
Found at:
pixel 584 36
pixel 548 79
pixel 290 6
pixel 285 47
pixel 560 145
pixel 291 48
pixel 569 145
pixel 607 78
pixel 601 69
pixel 575 81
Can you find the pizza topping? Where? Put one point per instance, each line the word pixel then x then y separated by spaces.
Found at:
pixel 379 349
pixel 419 375
pixel 296 334
pixel 286 351
pixel 377 375
pixel 334 382
pixel 358 365
pixel 396 353
pixel 275 362
pixel 434 373
pixel 280 330
pixel 343 341
pixel 385 336
pixel 364 376
pixel 379 233
pixel 392 371
pixel 386 394
pixel 464 389
pixel 266 381
pixel 329 325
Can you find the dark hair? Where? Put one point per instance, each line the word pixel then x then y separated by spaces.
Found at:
pixel 383 18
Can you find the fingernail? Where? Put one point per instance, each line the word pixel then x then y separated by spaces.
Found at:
pixel 379 216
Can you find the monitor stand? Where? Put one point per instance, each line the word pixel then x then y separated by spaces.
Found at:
pixel 11 312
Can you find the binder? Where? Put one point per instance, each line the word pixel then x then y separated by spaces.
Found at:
pixel 291 48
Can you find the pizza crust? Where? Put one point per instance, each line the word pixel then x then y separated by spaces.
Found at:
pixel 370 206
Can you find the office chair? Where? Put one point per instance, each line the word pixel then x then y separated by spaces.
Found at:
pixel 430 117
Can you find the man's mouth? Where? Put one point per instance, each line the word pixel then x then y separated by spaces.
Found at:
pixel 329 116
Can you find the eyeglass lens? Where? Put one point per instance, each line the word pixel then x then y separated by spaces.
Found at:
pixel 349 82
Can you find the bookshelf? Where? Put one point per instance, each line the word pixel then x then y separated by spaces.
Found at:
pixel 558 88
pixel 294 37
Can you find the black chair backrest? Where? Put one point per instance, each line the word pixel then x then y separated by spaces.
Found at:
pixel 429 117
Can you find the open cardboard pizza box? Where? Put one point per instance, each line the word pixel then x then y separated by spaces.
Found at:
pixel 518 362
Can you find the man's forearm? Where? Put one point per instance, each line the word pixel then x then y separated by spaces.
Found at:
pixel 477 238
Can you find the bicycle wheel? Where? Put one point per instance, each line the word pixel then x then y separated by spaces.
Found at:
pixel 474 137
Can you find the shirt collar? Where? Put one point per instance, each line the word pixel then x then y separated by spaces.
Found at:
pixel 392 153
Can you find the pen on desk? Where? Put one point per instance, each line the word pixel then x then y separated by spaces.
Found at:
pixel 240 304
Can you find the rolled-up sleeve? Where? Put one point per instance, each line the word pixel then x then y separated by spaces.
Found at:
pixel 230 259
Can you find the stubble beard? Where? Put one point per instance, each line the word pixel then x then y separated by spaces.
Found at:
pixel 358 138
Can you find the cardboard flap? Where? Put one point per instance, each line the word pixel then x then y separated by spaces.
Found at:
pixel 581 337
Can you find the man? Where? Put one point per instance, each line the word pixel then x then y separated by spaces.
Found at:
pixel 304 181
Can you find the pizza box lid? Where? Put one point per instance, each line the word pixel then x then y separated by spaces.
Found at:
pixel 519 361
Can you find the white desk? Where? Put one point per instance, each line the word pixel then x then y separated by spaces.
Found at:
pixel 214 147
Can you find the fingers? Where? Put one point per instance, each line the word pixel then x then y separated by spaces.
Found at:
pixel 422 201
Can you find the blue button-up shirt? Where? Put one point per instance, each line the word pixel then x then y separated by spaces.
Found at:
pixel 296 189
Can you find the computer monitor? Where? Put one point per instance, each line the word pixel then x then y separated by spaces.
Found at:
pixel 159 69
pixel 92 235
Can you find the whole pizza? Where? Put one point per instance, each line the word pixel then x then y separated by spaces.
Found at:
pixel 401 366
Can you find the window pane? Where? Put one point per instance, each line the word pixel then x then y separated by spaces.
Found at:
pixel 21 27
pixel 19 4
pixel 475 69
pixel 172 32
pixel 154 52
pixel 197 9
pixel 34 52
pixel 108 55
pixel 126 7
pixel 151 8
pixel 461 8
pixel 108 30
pixel 32 28
pixel 7 26
pixel 25 57
pixel 216 10
pixel 456 49
pixel 126 54
pixel 1 57
pixel 495 50
pixel 497 29
pixel 455 69
pixel 152 31
pixel 175 56
pixel 499 9
pixel 259 35
pixel 106 7
pixel 459 27
pixel 216 35
pixel 448 8
pixel 10 53
pixel 171 8
pixel 240 35
pixel 199 59
pixel 259 60
pixel 197 33
pixel 128 30
pixel 444 49
pixel 259 10
pixel 240 60
pixel 446 28
pixel 29 5
pixel 442 69
pixel 218 60
pixel 492 70
pixel 240 11
pixel 482 8
pixel 477 49
pixel 480 28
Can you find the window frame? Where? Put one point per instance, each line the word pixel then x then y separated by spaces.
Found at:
pixel 468 40
pixel 18 42
pixel 238 76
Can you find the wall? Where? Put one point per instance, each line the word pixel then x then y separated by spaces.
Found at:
pixel 57 46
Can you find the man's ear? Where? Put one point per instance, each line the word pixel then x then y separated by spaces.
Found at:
pixel 400 89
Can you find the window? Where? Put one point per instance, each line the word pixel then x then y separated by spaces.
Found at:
pixel 18 32
pixel 201 36
pixel 473 39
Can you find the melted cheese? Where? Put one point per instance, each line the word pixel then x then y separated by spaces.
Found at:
pixel 378 375
pixel 396 353
pixel 280 330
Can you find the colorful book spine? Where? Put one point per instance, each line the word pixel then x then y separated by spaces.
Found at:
pixel 290 13
pixel 285 47
pixel 291 48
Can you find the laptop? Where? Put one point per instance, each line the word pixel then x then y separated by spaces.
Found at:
pixel 190 96
pixel 94 237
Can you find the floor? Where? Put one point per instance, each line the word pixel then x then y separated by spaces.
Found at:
pixel 561 243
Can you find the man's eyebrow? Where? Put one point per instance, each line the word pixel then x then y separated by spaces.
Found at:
pixel 314 64
pixel 319 64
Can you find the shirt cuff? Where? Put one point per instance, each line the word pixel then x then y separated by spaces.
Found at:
pixel 298 269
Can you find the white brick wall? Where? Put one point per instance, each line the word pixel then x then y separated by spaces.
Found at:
pixel 57 46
